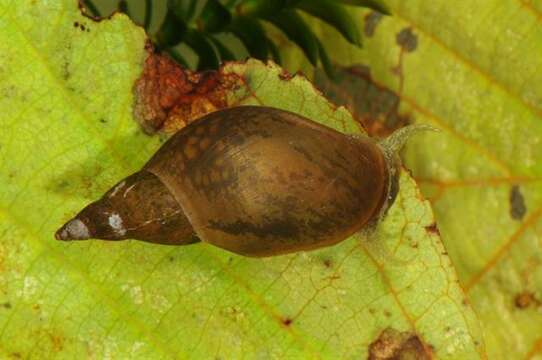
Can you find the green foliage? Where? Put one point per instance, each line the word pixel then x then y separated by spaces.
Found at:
pixel 185 23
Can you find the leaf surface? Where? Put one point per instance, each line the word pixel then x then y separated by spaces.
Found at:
pixel 471 69
pixel 67 135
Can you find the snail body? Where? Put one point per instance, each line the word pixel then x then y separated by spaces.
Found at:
pixel 254 180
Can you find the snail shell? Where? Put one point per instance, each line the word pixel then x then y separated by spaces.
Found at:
pixel 253 180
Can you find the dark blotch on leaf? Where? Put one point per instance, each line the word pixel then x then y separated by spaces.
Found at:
pixel 6 305
pixel 433 229
pixel 393 344
pixel 371 21
pixel 287 321
pixel 407 40
pixel 375 106
pixel 285 75
pixel 525 299
pixel 79 25
pixel 517 203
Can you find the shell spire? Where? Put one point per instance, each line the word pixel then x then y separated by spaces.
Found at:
pixel 138 207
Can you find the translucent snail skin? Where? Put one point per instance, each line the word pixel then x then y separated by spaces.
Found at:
pixel 253 180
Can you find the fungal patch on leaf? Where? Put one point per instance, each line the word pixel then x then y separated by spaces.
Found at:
pixel 433 229
pixel 407 40
pixel 517 203
pixel 526 299
pixel 393 344
pixel 169 97
pixel 375 106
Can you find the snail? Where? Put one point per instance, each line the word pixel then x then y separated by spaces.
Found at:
pixel 253 180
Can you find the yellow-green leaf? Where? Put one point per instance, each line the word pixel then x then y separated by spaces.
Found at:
pixel 472 69
pixel 67 135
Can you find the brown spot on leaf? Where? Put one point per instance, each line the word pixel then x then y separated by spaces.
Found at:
pixel 285 75
pixel 407 40
pixel 393 344
pixel 6 305
pixel 373 105
pixel 169 97
pixel 371 21
pixel 3 252
pixel 79 25
pixel 526 299
pixel 328 263
pixel 287 321
pixel 57 342
pixel 517 203
pixel 433 229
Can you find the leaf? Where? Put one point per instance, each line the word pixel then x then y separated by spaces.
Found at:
pixel 214 17
pixel 471 70
pixel 334 14
pixel 171 32
pixel 185 10
pixel 148 14
pixel 325 61
pixel 225 53
pixel 252 35
pixel 275 53
pixel 373 4
pixel 207 57
pixel 68 134
pixel 295 28
pixel 259 8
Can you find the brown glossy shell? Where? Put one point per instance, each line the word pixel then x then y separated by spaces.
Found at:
pixel 260 181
